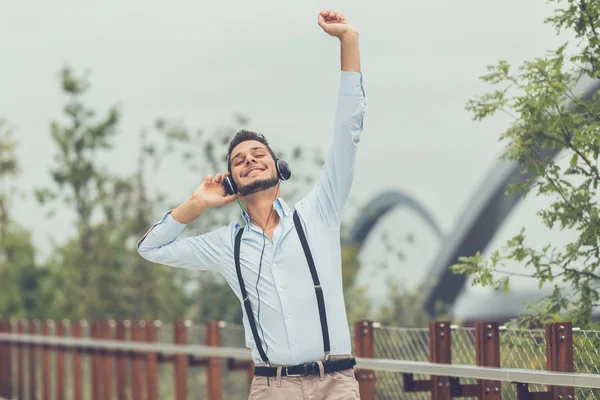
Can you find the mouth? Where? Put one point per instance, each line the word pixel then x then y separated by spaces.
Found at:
pixel 253 172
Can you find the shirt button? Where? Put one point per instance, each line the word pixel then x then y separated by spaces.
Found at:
pixel 274 265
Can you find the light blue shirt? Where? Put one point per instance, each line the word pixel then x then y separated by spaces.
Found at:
pixel 289 315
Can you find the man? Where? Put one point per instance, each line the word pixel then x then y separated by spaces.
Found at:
pixel 284 264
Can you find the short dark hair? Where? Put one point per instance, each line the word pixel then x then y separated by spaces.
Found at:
pixel 242 136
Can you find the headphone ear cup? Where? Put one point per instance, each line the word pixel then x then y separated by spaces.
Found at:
pixel 283 170
pixel 229 185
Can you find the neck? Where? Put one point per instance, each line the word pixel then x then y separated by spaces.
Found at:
pixel 259 207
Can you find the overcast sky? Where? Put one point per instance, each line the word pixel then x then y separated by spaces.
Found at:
pixel 201 61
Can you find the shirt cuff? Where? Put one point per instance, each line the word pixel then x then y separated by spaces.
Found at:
pixel 351 83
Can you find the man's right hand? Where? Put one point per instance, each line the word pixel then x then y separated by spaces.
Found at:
pixel 211 192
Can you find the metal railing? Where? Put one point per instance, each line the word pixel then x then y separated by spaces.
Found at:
pixel 150 360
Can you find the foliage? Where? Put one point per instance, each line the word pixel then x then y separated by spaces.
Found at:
pixel 98 270
pixel 405 308
pixel 551 117
pixel 20 278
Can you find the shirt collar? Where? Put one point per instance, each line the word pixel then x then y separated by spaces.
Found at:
pixel 279 205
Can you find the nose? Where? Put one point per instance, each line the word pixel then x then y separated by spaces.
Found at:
pixel 250 159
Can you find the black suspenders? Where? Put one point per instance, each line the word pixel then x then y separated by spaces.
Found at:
pixel 315 278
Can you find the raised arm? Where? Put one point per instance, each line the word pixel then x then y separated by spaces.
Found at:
pixel 330 194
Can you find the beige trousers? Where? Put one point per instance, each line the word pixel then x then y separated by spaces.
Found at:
pixel 339 385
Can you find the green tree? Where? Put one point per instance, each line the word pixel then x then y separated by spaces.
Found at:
pixel 98 269
pixel 405 308
pixel 550 116
pixel 20 278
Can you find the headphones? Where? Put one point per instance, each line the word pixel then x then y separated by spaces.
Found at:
pixel 283 172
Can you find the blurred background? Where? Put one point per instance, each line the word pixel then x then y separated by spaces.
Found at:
pixel 182 77
pixel 111 113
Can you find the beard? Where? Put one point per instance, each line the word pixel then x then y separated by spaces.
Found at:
pixel 258 186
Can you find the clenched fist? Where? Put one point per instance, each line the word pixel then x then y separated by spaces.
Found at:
pixel 335 24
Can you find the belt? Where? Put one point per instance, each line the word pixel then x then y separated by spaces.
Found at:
pixel 307 369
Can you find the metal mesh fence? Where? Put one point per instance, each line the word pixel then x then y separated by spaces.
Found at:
pixel 522 349
pixel 399 344
pixel 463 350
pixel 586 357
pixel 525 349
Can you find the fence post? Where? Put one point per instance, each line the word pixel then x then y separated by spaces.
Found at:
pixel 364 347
pixel 5 361
pixel 213 338
pixel 107 370
pixel 440 352
pixel 96 367
pixel 46 325
pixel 33 363
pixel 487 353
pixel 136 372
pixel 92 363
pixel 60 360
pixel 21 324
pixel 181 361
pixel 2 362
pixel 151 362
pixel 3 380
pixel 559 355
pixel 121 383
pixel 77 359
pixel 11 328
pixel 559 358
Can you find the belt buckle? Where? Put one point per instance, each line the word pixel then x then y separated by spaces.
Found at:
pixel 288 374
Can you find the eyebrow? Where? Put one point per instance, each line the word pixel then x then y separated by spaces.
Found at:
pixel 251 149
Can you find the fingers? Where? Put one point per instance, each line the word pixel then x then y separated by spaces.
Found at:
pixel 218 178
pixel 321 21
pixel 331 16
pixel 230 198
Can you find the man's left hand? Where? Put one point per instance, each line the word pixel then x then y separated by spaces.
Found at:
pixel 334 24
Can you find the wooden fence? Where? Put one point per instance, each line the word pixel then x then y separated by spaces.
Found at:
pixel 108 368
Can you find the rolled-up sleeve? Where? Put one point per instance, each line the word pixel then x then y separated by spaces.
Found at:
pixel 162 245
pixel 329 196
